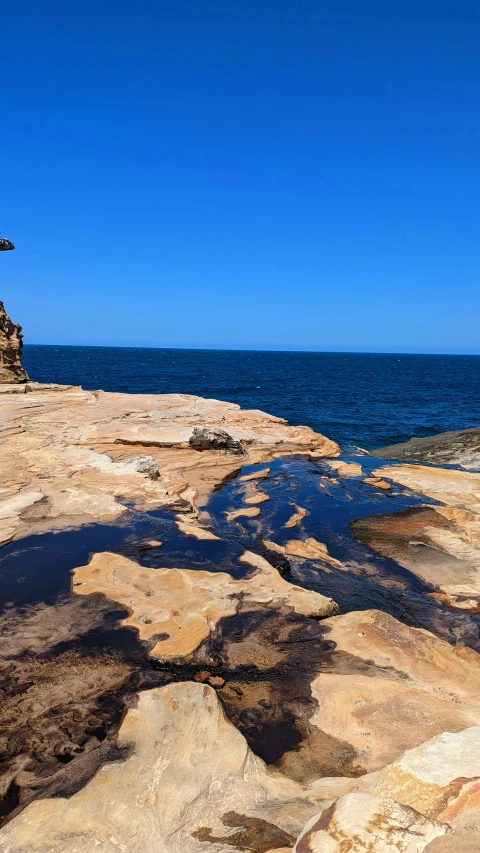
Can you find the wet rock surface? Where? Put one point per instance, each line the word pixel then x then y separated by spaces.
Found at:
pixel 201 652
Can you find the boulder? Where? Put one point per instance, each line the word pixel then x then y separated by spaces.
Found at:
pixel 207 438
pixel 362 823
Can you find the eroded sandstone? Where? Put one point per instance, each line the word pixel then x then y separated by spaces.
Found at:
pixel 11 342
pixel 188 779
pixel 85 455
pixel 177 609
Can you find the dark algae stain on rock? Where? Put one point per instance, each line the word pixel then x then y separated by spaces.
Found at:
pixel 254 834
pixel 268 660
pixel 69 673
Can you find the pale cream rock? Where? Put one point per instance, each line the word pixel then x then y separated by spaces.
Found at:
pixel 420 658
pixel 381 718
pixel 254 496
pixel 296 518
pixel 243 512
pixel 187 769
pixel 397 688
pixel 377 483
pixel 460 492
pixel 362 823
pixel 310 549
pixel 346 469
pixel 255 475
pixel 190 526
pixel 460 489
pixel 465 837
pixel 440 778
pixel 181 607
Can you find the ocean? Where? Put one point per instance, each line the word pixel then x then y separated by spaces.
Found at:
pixel 362 399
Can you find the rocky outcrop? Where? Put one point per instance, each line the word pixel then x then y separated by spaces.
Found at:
pixel 81 456
pixel 11 342
pixel 189 784
pixel 447 448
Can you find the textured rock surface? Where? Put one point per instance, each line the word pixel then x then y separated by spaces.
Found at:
pixel 440 778
pixel 392 687
pixel 188 779
pixel 362 823
pixel 89 453
pixel 448 448
pixel 11 341
pixel 205 438
pixel 346 469
pixel 440 544
pixel 179 608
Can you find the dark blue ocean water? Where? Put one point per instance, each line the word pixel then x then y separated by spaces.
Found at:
pixel 366 399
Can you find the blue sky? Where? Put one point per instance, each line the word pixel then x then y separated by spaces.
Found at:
pixel 274 174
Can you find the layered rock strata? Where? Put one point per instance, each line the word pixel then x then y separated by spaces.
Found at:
pixel 448 448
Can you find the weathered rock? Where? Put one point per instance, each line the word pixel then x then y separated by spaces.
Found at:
pixel 243 512
pixel 448 536
pixel 178 608
pixel 255 475
pixel 377 483
pixel 146 465
pixel 252 495
pixel 206 438
pixel 60 702
pixel 460 489
pixel 390 687
pixel 188 779
pixel 440 778
pixel 447 448
pixel 345 469
pixel 465 837
pixel 11 342
pixel 296 517
pixel 304 549
pixel 310 549
pixel 362 823
pixel 80 450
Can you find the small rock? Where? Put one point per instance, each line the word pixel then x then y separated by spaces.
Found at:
pixel 216 681
pixel 202 677
pixel 146 465
pixel 377 483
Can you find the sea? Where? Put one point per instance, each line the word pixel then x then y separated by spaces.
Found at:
pixel 362 399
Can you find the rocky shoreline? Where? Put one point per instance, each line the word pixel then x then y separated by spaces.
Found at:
pixel 179 672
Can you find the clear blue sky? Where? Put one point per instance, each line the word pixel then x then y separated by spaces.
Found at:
pixel 280 174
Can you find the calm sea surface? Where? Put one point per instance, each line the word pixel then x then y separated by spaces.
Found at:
pixel 364 399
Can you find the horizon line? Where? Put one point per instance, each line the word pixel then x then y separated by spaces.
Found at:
pixel 258 350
